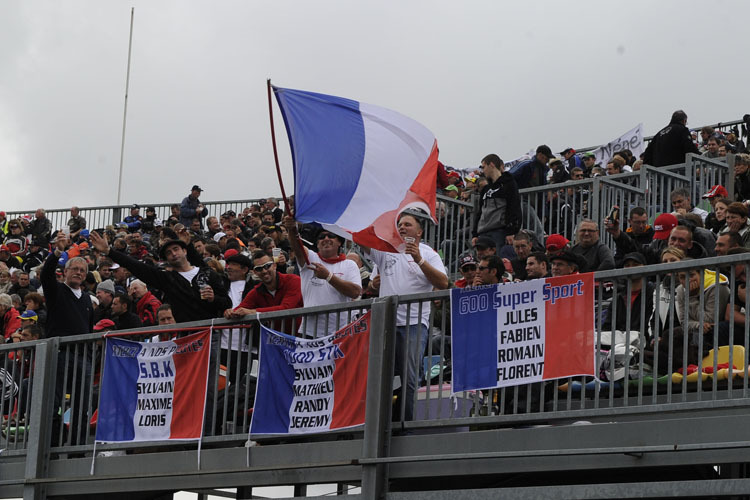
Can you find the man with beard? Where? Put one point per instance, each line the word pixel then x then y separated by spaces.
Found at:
pixel 537 266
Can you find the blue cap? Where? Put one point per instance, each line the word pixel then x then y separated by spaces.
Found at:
pixel 29 314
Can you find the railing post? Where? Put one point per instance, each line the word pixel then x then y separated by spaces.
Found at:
pixel 379 394
pixel 690 174
pixel 42 406
pixel 731 158
pixel 116 215
pixel 594 211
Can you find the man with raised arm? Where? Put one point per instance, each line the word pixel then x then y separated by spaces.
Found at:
pixel 418 269
pixel 69 312
pixel 328 277
pixel 195 293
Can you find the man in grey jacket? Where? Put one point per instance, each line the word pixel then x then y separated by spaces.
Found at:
pixel 596 256
pixel 499 214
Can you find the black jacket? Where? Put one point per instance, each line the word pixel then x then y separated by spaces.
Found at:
pixel 624 307
pixel 669 146
pixel 184 297
pixel 40 228
pixel 653 250
pixel 127 321
pixel 742 187
pixel 66 314
pixel 643 239
pixel 499 206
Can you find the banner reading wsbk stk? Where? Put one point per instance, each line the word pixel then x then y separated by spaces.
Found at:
pixel 516 333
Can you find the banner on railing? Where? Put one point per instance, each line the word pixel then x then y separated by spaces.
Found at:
pixel 632 140
pixel 153 391
pixel 312 385
pixel 517 333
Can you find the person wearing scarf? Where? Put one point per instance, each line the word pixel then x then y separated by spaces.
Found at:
pixel 328 277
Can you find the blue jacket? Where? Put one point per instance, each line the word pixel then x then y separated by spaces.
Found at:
pixel 189 210
pixel 530 173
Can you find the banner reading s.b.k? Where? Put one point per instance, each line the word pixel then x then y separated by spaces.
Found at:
pixel 312 385
pixel 516 333
pixel 153 390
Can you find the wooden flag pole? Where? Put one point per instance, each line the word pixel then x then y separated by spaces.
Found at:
pixel 275 151
pixel 276 159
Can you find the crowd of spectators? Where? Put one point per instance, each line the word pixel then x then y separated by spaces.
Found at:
pixel 146 271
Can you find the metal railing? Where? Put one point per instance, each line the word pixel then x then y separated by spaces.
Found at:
pixel 52 411
pixel 724 127
pixel 103 216
pixel 78 359
pixel 558 208
pixel 549 209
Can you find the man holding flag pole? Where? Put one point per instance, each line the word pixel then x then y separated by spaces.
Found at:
pixel 357 169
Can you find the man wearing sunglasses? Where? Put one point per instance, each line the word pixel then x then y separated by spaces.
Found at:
pixel 328 277
pixel 276 292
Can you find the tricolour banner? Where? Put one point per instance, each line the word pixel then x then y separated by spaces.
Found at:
pixel 153 390
pixel 632 140
pixel 312 385
pixel 516 333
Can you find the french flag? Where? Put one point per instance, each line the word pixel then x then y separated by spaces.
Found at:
pixel 153 391
pixel 518 333
pixel 357 166
pixel 312 385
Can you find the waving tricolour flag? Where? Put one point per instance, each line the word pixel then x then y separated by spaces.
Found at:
pixel 357 166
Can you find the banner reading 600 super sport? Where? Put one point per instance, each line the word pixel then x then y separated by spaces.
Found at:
pixel 517 333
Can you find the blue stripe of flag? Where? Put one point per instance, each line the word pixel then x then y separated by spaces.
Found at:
pixel 474 354
pixel 274 393
pixel 327 137
pixel 119 393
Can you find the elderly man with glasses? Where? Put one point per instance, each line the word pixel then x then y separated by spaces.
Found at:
pixel 327 276
pixel 69 312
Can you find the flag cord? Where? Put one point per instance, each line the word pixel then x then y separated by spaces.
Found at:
pixel 275 151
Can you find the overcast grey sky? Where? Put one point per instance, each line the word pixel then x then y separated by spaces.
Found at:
pixel 484 76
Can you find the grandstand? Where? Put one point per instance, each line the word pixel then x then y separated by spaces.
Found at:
pixel 662 419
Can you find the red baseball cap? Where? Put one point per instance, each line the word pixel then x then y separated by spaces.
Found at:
pixel 229 253
pixel 716 191
pixel 663 225
pixel 556 242
pixel 103 324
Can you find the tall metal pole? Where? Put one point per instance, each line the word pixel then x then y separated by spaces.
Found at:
pixel 125 112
